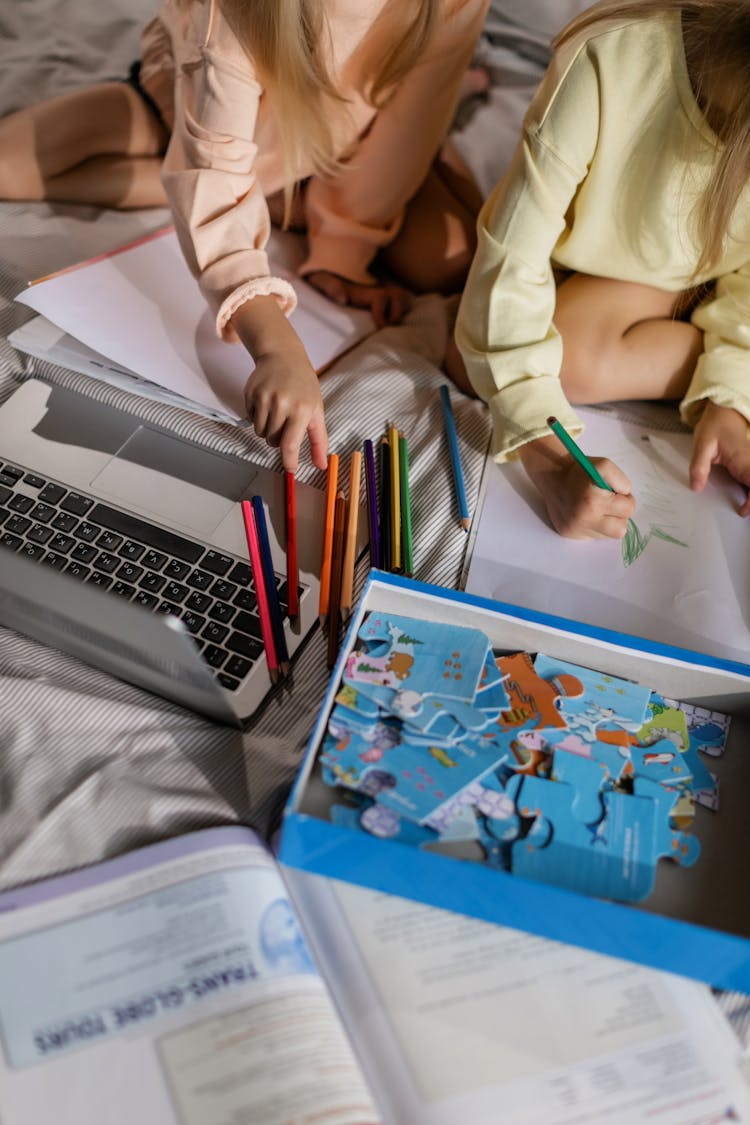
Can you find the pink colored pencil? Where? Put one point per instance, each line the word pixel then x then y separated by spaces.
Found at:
pixel 292 566
pixel 264 612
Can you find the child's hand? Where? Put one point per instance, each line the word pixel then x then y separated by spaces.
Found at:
pixel 388 304
pixel 578 508
pixel 284 403
pixel 722 437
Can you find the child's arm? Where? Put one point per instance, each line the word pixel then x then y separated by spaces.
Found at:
pixel 283 393
pixel 722 437
pixel 578 508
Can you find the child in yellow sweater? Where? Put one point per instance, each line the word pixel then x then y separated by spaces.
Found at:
pixel 613 260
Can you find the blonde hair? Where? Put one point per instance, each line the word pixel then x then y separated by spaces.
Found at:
pixel 286 41
pixel 716 36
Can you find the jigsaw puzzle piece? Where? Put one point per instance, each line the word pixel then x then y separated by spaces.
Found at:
pixel 707 730
pixel 661 761
pixel 664 721
pixel 533 701
pixel 621 701
pixel 386 825
pixel 668 841
pixel 587 777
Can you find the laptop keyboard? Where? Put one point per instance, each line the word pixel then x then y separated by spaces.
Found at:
pixel 139 562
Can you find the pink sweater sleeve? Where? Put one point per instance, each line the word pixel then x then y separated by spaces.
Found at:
pixel 352 215
pixel 209 175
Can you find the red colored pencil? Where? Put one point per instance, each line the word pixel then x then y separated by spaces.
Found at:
pixel 256 567
pixel 337 565
pixel 292 566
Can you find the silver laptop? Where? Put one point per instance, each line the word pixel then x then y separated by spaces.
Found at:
pixel 125 545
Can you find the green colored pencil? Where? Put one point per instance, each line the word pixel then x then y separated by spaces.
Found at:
pixel 407 550
pixel 575 450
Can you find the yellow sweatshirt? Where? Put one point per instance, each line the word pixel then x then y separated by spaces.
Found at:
pixel 613 157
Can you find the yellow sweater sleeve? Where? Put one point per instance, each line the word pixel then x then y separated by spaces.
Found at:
pixel 722 373
pixel 505 329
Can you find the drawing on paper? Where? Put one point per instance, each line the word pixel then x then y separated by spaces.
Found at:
pixel 654 498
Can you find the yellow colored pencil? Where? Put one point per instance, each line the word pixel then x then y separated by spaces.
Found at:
pixel 350 543
pixel 395 483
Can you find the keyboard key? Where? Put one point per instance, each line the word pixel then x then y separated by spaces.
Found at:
pixel 34 481
pixel 13 472
pixel 7 479
pixel 176 592
pixel 214 656
pixel 129 572
pixel 151 581
pixel 133 551
pixel 123 590
pixel 169 608
pixel 198 602
pixel 76 504
pixel 200 580
pixel 33 550
pixel 241 574
pixel 20 503
pixel 176 569
pixel 228 682
pixel 154 560
pixel 52 493
pixel 63 521
pixel 12 542
pixel 99 579
pixel 244 645
pixel 108 541
pixel 238 667
pixel 18 525
pixel 222 612
pixel 84 553
pixel 42 512
pixel 248 623
pixel 214 632
pixel 106 562
pixel 144 599
pixel 223 590
pixel 86 531
pixel 216 563
pixel 57 562
pixel 77 570
pixel 62 543
pixel 245 599
pixel 4 493
pixel 150 534
pixel 193 621
pixel 40 534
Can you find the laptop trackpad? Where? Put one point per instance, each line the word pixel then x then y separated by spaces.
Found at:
pixel 174 481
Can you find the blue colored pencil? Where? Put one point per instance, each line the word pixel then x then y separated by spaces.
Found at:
pixel 458 475
pixel 272 594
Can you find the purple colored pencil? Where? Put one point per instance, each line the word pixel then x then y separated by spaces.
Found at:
pixel 372 503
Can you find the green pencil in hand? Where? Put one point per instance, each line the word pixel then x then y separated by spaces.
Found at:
pixel 575 451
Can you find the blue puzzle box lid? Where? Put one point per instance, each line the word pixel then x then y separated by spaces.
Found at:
pixel 525 851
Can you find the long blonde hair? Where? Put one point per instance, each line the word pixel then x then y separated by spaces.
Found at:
pixel 285 40
pixel 716 36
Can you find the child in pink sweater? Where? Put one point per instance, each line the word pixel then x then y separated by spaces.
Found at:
pixel 325 115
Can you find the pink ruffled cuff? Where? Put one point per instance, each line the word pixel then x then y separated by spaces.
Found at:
pixel 258 287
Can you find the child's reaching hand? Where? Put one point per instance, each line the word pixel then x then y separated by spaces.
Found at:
pixel 722 437
pixel 578 508
pixel 388 304
pixel 282 395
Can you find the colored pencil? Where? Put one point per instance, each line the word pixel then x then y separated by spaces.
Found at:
pixel 577 453
pixel 372 503
pixel 256 568
pixel 458 475
pixel 332 481
pixel 337 559
pixel 269 578
pixel 385 505
pixel 350 542
pixel 407 542
pixel 292 565
pixel 393 444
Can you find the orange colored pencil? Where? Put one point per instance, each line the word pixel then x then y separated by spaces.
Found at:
pixel 292 565
pixel 350 542
pixel 264 613
pixel 325 562
pixel 337 560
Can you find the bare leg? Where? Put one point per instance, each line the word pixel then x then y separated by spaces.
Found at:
pixel 100 145
pixel 435 245
pixel 621 341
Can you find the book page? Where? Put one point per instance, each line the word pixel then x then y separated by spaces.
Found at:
pixel 676 578
pixel 467 1021
pixel 170 985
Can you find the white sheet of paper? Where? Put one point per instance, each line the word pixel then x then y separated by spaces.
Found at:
pixel 694 593
pixel 141 308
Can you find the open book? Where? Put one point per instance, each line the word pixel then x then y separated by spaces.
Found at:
pixel 174 984
pixel 136 318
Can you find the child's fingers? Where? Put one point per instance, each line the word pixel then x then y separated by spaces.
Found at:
pixel 614 476
pixel 703 456
pixel 333 287
pixel 317 435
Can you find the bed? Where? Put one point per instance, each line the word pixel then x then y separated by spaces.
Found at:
pixel 91 767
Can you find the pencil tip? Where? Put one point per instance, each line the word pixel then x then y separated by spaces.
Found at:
pixel 274 674
pixel 465 524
